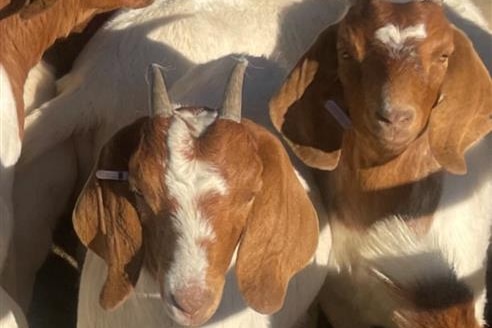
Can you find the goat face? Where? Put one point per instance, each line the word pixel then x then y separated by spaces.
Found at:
pixel 400 71
pixel 392 62
pixel 200 185
pixel 201 204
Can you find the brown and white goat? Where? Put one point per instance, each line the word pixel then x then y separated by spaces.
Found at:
pixel 389 100
pixel 191 197
pixel 22 42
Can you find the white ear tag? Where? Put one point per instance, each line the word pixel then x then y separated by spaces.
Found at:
pixel 112 175
pixel 338 113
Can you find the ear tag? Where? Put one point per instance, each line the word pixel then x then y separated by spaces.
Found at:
pixel 339 114
pixel 112 175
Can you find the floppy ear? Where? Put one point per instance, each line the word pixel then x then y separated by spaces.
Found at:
pixel 297 110
pixel 281 234
pixel 106 220
pixel 464 116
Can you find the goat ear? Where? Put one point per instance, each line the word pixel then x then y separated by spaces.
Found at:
pixel 281 234
pixel 106 220
pixel 297 110
pixel 464 116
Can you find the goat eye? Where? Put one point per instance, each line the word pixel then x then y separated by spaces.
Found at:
pixel 345 55
pixel 444 58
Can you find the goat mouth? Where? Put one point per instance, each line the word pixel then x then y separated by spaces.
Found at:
pixel 183 318
pixel 387 140
pixel 386 133
pixel 180 316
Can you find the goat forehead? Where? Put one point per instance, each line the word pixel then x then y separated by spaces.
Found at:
pixel 188 177
pixel 396 38
pixel 197 119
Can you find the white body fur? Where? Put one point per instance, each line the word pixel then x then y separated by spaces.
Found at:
pixel 457 240
pixel 40 86
pixel 10 148
pixel 48 181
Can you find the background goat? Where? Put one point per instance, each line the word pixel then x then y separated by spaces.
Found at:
pixel 410 224
pixel 22 42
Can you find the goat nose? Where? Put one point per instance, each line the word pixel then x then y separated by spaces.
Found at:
pixel 190 300
pixel 396 115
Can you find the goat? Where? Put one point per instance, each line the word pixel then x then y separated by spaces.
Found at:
pixel 385 104
pixel 22 42
pixel 173 34
pixel 173 196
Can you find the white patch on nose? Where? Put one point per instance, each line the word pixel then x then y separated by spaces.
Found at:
pixel 395 38
pixel 188 180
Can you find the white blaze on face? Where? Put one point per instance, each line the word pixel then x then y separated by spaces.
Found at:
pixel 395 38
pixel 188 180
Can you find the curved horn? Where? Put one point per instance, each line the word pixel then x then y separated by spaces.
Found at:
pixel 159 99
pixel 231 107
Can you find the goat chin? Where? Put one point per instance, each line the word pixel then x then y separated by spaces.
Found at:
pixel 144 307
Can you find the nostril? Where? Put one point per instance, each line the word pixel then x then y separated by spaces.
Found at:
pixel 395 116
pixel 190 300
pixel 404 116
pixel 381 117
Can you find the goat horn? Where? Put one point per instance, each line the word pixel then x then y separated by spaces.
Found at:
pixel 159 99
pixel 231 107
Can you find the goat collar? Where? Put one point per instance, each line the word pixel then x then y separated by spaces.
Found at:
pixel 339 114
pixel 112 175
